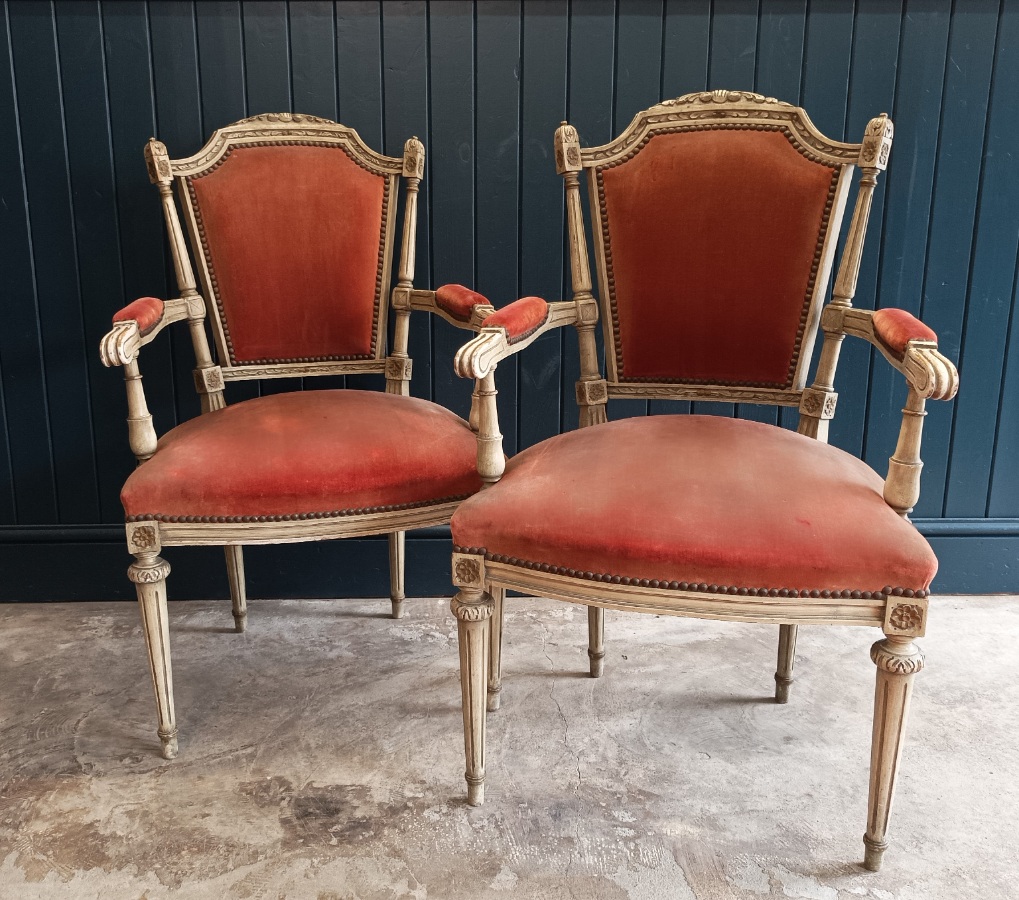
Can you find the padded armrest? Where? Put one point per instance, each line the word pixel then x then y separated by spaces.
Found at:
pixel 508 331
pixel 520 318
pixel 459 301
pixel 895 328
pixel 145 311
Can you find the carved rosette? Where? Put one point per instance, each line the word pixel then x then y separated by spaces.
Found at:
pixel 897 659
pixel 141 538
pixel 468 571
pixel 567 149
pixel 907 617
pixel 820 404
pixel 472 612
pixel 149 574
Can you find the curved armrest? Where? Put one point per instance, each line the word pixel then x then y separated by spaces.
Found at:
pixel 508 331
pixel 138 323
pixel 455 303
pixel 908 344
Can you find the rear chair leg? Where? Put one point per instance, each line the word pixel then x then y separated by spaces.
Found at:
pixel 498 595
pixel 473 610
pixel 898 660
pixel 238 592
pixel 786 660
pixel 596 640
pixel 149 576
pixel 397 548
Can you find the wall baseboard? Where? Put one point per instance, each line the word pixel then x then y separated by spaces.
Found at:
pixel 89 562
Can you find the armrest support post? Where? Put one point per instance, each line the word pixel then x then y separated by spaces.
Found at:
pixel 902 486
pixel 491 459
pixel 141 435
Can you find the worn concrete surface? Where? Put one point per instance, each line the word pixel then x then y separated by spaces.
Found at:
pixel 321 757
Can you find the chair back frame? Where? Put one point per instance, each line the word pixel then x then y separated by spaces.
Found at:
pixel 697 112
pixel 286 129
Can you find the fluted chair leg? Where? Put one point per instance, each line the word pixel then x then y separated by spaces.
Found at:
pixel 473 611
pixel 498 595
pixel 238 590
pixel 596 640
pixel 786 661
pixel 397 551
pixel 898 660
pixel 149 576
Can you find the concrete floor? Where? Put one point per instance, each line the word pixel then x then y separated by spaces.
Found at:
pixel 321 757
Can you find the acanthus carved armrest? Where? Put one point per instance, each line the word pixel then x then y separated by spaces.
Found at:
pixel 911 348
pixel 139 322
pixel 455 303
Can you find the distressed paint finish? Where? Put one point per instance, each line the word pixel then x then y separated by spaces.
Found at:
pixel 483 85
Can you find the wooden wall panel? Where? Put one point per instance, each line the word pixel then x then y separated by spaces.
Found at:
pixel 84 83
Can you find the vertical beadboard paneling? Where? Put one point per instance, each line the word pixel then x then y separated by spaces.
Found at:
pixel 84 83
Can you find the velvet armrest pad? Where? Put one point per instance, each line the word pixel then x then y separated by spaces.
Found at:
pixel 459 301
pixel 895 328
pixel 146 311
pixel 520 318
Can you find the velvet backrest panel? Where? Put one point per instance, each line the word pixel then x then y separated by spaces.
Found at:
pixel 713 239
pixel 294 243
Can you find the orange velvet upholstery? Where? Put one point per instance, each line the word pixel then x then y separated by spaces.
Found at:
pixel 146 311
pixel 309 454
pixel 896 328
pixel 713 237
pixel 519 318
pixel 698 502
pixel 459 301
pixel 293 238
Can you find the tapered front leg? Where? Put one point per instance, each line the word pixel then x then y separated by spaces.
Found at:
pixel 238 592
pixel 397 548
pixel 498 596
pixel 898 660
pixel 149 576
pixel 596 640
pixel 473 611
pixel 786 660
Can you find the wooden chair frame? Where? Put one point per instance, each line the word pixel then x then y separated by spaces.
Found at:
pixel 121 347
pixel 482 579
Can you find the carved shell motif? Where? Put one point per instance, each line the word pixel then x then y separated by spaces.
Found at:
pixel 724 97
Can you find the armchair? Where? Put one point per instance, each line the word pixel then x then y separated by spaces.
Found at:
pixel 292 222
pixel 715 219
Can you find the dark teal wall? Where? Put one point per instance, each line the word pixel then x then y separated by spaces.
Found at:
pixel 84 84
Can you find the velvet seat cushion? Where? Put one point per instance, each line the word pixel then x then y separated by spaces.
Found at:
pixel 700 501
pixel 306 454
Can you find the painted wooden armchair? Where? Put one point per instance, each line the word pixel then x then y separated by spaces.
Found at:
pixel 292 220
pixel 715 219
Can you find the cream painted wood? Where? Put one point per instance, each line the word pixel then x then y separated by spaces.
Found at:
pixel 498 596
pixel 238 593
pixel 898 660
pixel 786 661
pixel 473 611
pixel 121 347
pixel 927 372
pixel 397 557
pixel 149 576
pixel 596 640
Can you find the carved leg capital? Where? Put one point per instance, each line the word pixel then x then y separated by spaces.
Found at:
pixel 898 660
pixel 473 610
